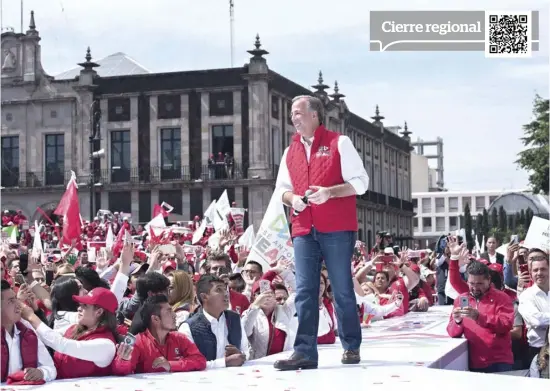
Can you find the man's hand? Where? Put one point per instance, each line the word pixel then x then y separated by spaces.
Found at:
pixel 297 204
pixel 235 360
pixel 161 362
pixel 125 351
pixel 469 312
pixel 423 304
pixel 321 195
pixel 33 374
pixel 457 315
pixel 231 350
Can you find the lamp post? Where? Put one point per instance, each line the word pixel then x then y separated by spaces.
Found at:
pixel 95 117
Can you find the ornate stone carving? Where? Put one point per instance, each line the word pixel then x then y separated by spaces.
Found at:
pixel 9 62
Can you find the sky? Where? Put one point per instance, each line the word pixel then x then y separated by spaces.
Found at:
pixel 476 105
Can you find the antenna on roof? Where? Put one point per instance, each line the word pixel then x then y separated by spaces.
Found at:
pixel 231 28
pixel 22 8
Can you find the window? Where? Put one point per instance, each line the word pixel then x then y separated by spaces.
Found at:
pixel 415 223
pixel 466 201
pixel 120 201
pixel 120 156
pixel 10 161
pixel 276 145
pixel 453 223
pixel 170 150
pixel 480 203
pixel 400 161
pixel 289 113
pixel 426 224
pixel 385 180
pixel 368 146
pixel 453 204
pixel 53 114
pixel 275 107
pixel 222 139
pixel 376 150
pixel 376 181
pixel 400 188
pixel 415 203
pixel 221 103
pixel 172 197
pixel 169 106
pixel 144 201
pixel 426 205
pixel 55 159
pixel 439 205
pixel 440 224
pixel 492 199
pixel 118 109
pixel 9 117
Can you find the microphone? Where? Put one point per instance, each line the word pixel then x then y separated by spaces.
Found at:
pixel 304 200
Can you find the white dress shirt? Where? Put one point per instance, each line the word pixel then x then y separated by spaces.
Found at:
pixel 100 351
pixel 219 329
pixel 534 307
pixel 353 169
pixel 45 362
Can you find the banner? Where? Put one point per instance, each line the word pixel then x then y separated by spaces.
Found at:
pixel 273 242
pixel 538 235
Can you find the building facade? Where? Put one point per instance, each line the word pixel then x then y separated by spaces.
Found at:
pixel 158 131
pixel 438 213
pixel 425 177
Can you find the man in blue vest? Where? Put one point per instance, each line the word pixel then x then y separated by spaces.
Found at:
pixel 215 330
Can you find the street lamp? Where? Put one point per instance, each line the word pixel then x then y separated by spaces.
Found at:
pixel 95 118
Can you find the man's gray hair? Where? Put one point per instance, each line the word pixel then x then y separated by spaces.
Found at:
pixel 313 104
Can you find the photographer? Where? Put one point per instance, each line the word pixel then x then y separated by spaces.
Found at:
pixel 157 347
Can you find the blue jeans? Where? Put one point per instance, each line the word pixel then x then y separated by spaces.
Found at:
pixel 336 248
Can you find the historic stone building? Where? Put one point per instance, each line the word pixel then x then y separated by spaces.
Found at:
pixel 158 131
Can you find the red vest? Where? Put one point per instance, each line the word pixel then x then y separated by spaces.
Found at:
pixel 71 368
pixel 325 170
pixel 28 349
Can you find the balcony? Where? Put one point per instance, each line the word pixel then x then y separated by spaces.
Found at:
pixel 145 176
pixel 394 202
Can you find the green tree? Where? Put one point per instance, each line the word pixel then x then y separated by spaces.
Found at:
pixel 468 226
pixel 511 223
pixel 485 224
pixel 494 218
pixel 522 217
pixel 479 226
pixel 502 224
pixel 534 158
pixel 528 218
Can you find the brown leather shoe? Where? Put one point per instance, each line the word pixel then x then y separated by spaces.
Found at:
pixel 295 362
pixel 351 357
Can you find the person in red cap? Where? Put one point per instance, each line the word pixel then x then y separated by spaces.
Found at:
pixel 25 359
pixel 324 166
pixel 87 349
pixel 158 347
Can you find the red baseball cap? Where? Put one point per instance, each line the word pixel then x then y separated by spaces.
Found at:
pixel 100 297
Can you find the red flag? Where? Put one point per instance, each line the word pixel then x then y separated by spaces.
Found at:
pixel 158 209
pixel 69 208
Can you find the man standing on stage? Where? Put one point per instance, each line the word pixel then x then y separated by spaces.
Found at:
pixel 324 227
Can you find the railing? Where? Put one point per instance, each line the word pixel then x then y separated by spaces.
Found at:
pixel 121 175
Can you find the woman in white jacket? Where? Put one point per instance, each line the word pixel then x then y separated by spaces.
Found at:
pixel 269 327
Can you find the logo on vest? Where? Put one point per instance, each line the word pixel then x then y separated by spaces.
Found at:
pixel 238 310
pixel 323 151
pixel 177 352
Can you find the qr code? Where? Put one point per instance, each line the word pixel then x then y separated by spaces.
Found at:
pixel 507 35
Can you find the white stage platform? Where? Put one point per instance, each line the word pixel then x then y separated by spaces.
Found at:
pixel 394 352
